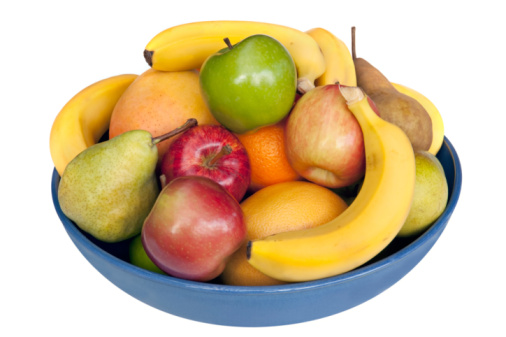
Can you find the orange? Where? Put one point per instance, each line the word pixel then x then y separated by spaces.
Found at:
pixel 277 208
pixel 266 152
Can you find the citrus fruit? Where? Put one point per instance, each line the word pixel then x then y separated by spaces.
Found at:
pixel 266 152
pixel 279 208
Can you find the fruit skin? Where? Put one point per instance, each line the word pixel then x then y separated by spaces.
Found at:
pixel 181 47
pixel 250 85
pixel 110 187
pixel 324 141
pixel 431 194
pixel 85 118
pixel 159 102
pixel 367 226
pixel 279 208
pixel 339 63
pixel 435 116
pixel 267 156
pixel 139 258
pixel 194 153
pixel 193 228
pixel 395 107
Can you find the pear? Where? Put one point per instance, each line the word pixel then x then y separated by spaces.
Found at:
pixel 431 194
pixel 394 106
pixel 109 188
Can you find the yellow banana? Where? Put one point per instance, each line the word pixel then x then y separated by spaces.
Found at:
pixel 85 119
pixel 187 46
pixel 369 224
pixel 438 132
pixel 339 63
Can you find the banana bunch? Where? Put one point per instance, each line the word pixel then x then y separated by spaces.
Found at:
pixel 319 56
pixel 367 226
pixel 85 118
pixel 338 60
pixel 187 46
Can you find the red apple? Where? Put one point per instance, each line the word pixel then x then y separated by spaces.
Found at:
pixel 193 228
pixel 210 151
pixel 324 141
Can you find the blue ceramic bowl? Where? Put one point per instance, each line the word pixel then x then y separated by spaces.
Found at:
pixel 269 305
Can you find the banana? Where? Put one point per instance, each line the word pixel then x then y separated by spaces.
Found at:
pixel 187 46
pixel 339 63
pixel 438 132
pixel 85 119
pixel 368 225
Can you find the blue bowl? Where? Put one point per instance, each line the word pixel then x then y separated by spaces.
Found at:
pixel 268 305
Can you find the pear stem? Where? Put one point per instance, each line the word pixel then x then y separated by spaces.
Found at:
pixel 226 149
pixel 353 53
pixel 229 44
pixel 190 123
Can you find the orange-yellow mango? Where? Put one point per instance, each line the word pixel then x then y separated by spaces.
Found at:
pixel 158 102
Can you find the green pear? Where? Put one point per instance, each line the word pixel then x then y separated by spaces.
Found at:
pixel 109 188
pixel 431 194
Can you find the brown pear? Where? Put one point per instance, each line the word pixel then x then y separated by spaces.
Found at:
pixel 393 106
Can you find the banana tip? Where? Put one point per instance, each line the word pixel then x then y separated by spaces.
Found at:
pixel 148 56
pixel 248 250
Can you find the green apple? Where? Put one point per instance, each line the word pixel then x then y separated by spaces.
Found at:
pixel 139 258
pixel 431 194
pixel 249 85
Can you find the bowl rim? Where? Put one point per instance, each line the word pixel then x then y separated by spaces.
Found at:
pixel 350 276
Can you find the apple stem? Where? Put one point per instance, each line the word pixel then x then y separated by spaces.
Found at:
pixel 229 44
pixel 191 122
pixel 226 149
pixel 353 53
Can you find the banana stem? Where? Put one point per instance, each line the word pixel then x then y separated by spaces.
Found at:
pixel 186 126
pixel 351 94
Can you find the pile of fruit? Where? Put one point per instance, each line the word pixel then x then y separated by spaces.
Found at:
pixel 251 152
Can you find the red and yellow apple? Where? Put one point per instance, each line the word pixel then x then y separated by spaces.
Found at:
pixel 324 141
pixel 193 228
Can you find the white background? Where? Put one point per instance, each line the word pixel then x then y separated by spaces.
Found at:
pixel 452 52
